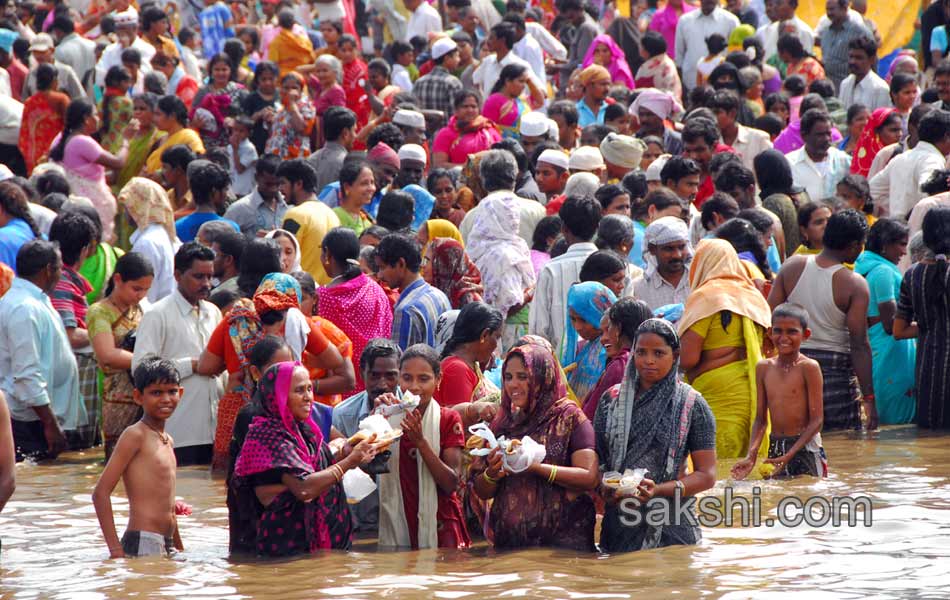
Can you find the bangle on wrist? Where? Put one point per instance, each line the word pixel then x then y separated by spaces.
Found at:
pixel 680 486
pixel 489 478
pixel 553 474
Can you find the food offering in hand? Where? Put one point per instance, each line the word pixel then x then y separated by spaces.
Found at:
pixel 378 425
pixel 625 483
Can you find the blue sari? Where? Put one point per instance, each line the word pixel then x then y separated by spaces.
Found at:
pixel 585 364
pixel 893 360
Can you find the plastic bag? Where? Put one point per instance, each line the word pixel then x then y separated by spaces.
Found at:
pixel 357 485
pixel 626 482
pixel 483 431
pixel 670 312
pixel 528 452
pixel 409 402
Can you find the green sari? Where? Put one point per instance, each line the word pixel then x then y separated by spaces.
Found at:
pixel 98 268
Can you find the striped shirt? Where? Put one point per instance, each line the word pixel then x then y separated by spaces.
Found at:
pixel 69 298
pixel 548 315
pixel 834 50
pixel 416 314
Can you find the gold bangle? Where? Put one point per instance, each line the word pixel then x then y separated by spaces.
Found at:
pixel 337 472
pixel 553 474
pixel 488 478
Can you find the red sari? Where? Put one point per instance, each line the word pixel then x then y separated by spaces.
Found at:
pixel 44 116
pixel 353 73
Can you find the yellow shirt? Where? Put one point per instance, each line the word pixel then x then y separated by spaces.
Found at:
pixel 310 222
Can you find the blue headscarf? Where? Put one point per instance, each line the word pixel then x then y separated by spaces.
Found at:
pixel 590 300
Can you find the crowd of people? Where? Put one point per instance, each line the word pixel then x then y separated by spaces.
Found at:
pixel 651 237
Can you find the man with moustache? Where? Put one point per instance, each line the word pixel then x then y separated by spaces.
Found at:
pixel 379 367
pixel 665 280
pixel 178 328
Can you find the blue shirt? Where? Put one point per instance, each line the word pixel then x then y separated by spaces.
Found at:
pixel 37 365
pixel 636 253
pixel 585 116
pixel 417 313
pixel 213 31
pixel 187 227
pixel 13 235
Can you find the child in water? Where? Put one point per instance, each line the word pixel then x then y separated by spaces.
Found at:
pixel 790 389
pixel 144 457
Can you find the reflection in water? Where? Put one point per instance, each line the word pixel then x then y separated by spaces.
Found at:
pixel 52 547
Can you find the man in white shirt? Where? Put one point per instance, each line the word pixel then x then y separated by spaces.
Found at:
pixel 178 328
pixel 11 114
pixel 668 254
pixel 580 216
pixel 896 189
pixel 501 40
pixel 42 50
pixel 126 30
pixel 863 85
pixel 784 21
pixel 818 166
pixel 73 49
pixel 691 33
pixel 748 142
pixel 422 20
pixel 527 48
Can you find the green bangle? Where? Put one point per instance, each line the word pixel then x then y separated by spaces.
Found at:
pixel 488 478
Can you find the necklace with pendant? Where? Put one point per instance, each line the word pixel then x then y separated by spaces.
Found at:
pixel 161 435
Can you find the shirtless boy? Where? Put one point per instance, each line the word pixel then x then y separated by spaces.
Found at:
pixel 144 457
pixel 789 388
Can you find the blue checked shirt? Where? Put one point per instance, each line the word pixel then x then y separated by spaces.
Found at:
pixel 416 314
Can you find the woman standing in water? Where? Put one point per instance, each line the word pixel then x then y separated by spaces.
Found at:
pixel 653 421
pixel 547 504
pixel 419 505
pixel 286 474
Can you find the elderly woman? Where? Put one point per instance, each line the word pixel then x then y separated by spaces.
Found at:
pixel 325 87
pixel 722 329
pixel 287 482
pixel 466 134
pixel 653 421
pixel 292 127
pixel 545 505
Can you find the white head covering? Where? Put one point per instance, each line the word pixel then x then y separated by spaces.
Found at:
pixel 410 118
pixel 622 150
pixel 554 157
pixel 443 46
pixel 554 132
pixel 659 102
pixel 534 124
pixel 665 230
pixel 586 158
pixel 581 184
pixel 502 257
pixel 412 152
pixel 653 171
pixel 284 233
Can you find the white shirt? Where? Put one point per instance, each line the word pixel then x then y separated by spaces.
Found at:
pixel 546 40
pixel 329 11
pixel 490 68
pixel 897 186
pixel 528 49
pixel 769 34
pixel 77 52
pixel 112 57
pixel 655 291
pixel 153 243
pixel 531 212
pixel 6 88
pixel 401 78
pixel 175 330
pixel 871 91
pixel 691 33
pixel 549 308
pixel 11 114
pixel 819 180
pixel 750 143
pixel 423 20
pixel 242 184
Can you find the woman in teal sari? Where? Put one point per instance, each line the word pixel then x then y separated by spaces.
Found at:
pixel 586 304
pixel 893 360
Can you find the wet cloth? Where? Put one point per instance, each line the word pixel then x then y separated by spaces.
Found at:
pixel 527 510
pixel 276 445
pixel 810 460
pixel 656 429
pixel 840 392
pixel 145 543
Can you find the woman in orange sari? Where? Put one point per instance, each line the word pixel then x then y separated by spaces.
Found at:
pixel 44 116
pixel 289 50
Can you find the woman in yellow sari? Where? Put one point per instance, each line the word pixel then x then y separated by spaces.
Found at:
pixel 722 329
pixel 171 117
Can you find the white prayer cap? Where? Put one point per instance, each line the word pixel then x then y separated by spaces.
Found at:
pixel 586 158
pixel 443 46
pixel 554 157
pixel 553 130
pixel 534 124
pixel 653 171
pixel 126 18
pixel 412 152
pixel 410 118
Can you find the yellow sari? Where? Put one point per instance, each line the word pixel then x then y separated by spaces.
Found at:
pixel 188 137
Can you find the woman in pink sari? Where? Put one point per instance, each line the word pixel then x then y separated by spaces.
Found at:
pixel 605 52
pixel 467 133
pixel 352 301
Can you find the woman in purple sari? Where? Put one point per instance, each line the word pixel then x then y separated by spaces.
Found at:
pixel 289 490
pixel 547 504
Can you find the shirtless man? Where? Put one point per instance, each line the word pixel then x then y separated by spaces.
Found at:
pixel 144 458
pixel 789 391
pixel 836 300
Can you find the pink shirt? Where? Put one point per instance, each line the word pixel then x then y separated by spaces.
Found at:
pixel 81 155
pixel 459 148
pixel 664 21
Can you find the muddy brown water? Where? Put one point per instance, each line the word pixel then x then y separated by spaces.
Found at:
pixel 52 547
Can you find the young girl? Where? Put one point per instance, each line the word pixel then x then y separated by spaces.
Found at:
pixel 856 193
pixel 654 421
pixel 292 126
pixel 261 103
pixel 357 186
pixel 812 220
pixel 111 324
pixel 716 46
pixel 289 250
pixel 419 506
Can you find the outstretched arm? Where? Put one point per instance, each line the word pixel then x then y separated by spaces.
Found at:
pixel 125 450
